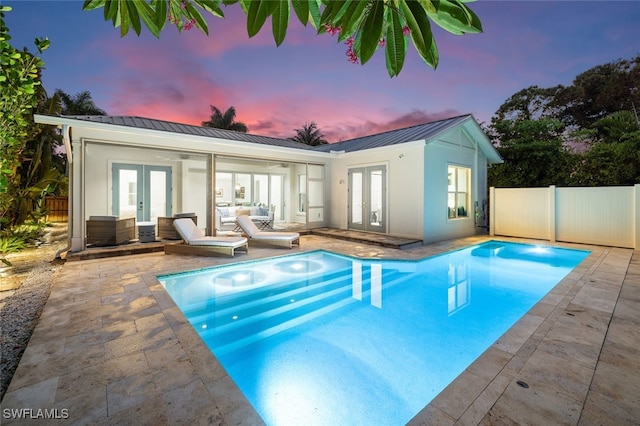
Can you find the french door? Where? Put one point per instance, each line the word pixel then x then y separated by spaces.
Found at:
pixel 141 191
pixel 367 194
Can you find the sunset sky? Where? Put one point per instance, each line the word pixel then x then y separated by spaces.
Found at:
pixel 277 89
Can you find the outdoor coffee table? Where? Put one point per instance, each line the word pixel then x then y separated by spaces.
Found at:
pixel 264 224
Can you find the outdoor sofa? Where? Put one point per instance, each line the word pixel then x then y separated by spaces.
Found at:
pixel 226 217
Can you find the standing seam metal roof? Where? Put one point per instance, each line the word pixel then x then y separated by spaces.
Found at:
pixel 188 129
pixel 392 137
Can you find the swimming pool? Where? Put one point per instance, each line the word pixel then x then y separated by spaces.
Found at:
pixel 320 338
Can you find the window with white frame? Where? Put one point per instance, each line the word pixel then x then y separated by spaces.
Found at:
pixel 302 193
pixel 458 192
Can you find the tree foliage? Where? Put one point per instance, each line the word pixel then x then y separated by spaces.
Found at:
pixel 225 120
pixel 309 134
pixel 533 154
pixel 79 104
pixel 594 140
pixel 19 81
pixel 601 91
pixel 366 25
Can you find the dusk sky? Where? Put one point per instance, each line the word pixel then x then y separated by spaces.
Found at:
pixel 277 89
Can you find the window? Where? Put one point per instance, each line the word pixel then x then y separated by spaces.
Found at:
pixel 458 192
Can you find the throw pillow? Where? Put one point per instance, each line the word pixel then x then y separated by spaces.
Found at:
pixel 243 212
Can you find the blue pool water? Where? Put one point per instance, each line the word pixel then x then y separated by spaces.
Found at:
pixel 318 338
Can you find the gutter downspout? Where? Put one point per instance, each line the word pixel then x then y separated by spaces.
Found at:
pixel 67 146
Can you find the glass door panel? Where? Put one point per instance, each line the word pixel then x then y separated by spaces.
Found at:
pixel 376 199
pixel 142 192
pixel 356 205
pixel 127 191
pixel 367 209
pixel 261 189
pixel 157 189
pixel 277 198
pixel 316 201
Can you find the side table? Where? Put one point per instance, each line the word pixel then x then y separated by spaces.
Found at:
pixel 146 232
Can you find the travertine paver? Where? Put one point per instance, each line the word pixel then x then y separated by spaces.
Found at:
pixel 111 347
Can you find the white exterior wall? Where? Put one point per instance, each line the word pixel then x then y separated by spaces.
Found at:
pixel 108 144
pixel 405 169
pixel 416 193
pixel 608 216
pixel 456 149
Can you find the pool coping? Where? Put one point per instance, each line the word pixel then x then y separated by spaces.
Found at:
pixel 111 352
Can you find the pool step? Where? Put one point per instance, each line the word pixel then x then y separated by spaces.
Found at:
pixel 271 325
pixel 222 306
pixel 260 308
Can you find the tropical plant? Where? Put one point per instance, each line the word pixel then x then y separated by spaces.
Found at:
pixel 18 238
pixel 225 120
pixel 79 104
pixel 19 80
pixel 363 25
pixel 309 134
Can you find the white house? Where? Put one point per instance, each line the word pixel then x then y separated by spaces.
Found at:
pixel 427 182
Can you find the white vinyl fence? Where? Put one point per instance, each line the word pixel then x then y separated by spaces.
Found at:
pixel 608 216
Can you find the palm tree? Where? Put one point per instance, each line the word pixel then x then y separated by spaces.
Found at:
pixel 225 120
pixel 78 104
pixel 309 135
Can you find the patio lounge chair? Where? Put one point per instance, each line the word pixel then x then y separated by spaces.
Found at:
pixel 285 239
pixel 196 243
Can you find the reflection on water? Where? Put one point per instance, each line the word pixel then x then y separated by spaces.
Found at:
pixel 317 338
pixel 459 290
pixel 374 282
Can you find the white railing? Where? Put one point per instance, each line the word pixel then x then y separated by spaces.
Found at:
pixel 608 216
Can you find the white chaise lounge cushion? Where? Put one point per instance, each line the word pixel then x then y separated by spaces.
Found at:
pixel 192 235
pixel 254 233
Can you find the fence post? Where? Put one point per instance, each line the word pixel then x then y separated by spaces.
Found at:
pixel 636 196
pixel 552 213
pixel 492 211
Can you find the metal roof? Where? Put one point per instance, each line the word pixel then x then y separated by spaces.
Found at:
pixel 408 134
pixel 188 129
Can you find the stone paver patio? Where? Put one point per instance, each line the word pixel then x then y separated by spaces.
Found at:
pixel 111 347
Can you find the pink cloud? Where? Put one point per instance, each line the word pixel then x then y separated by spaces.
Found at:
pixel 146 82
pixel 345 131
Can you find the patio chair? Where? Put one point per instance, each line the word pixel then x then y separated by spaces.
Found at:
pixel 284 239
pixel 197 243
pixel 110 230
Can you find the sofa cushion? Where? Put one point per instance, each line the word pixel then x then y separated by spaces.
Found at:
pixel 224 211
pixel 110 218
